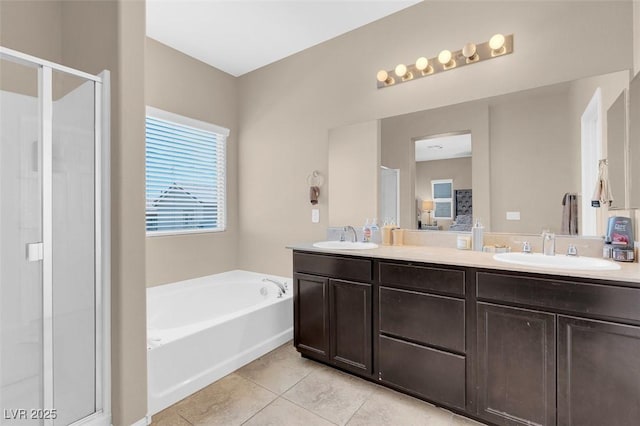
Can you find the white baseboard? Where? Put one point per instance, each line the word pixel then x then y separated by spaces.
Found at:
pixel 146 420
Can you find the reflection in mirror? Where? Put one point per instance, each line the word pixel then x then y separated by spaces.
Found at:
pixel 527 155
pixel 389 199
pixel 634 143
pixel 443 182
pixel 616 142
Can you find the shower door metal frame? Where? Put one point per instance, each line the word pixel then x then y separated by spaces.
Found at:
pixel 102 241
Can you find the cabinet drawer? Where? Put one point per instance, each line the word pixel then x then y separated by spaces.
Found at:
pixel 424 318
pixel 436 375
pixel 333 266
pixel 599 300
pixel 448 281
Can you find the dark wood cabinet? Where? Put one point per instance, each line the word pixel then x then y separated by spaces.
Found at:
pixel 598 373
pixel 516 365
pixel 332 316
pixel 350 325
pixel 510 348
pixel 421 331
pixel 311 315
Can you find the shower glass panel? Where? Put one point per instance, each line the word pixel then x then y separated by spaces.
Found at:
pixel 54 244
pixel 21 229
pixel 73 242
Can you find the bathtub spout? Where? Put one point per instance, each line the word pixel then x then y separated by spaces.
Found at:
pixel 281 286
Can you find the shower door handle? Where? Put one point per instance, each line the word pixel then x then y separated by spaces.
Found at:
pixel 35 252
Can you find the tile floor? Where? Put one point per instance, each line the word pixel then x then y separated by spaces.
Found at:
pixel 282 388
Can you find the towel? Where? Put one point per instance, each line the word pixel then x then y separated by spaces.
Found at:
pixel 569 214
pixel 602 194
pixel 314 193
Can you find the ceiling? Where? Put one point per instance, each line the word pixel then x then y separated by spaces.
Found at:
pixel 242 35
pixel 443 147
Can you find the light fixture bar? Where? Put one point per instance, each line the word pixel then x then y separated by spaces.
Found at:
pixel 498 45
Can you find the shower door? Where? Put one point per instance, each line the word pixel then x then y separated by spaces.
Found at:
pixel 52 288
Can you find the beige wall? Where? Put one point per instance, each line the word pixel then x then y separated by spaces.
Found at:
pixel 287 107
pixel 398 152
pixel 458 169
pixel 33 27
pixel 110 35
pixel 354 159
pixel 177 83
pixel 93 36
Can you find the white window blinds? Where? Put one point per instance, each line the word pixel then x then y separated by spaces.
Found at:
pixel 185 174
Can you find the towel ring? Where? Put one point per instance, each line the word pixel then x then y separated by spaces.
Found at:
pixel 315 179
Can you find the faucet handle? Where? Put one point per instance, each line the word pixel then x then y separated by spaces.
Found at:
pixel 572 250
pixel 526 247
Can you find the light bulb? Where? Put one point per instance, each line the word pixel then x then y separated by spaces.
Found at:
pixel 422 63
pixel 444 57
pixel 496 42
pixel 401 70
pixel 382 76
pixel 469 50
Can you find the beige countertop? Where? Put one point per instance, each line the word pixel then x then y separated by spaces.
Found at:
pixel 628 272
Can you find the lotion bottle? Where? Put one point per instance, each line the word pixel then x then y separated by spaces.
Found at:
pixel 477 236
pixel 366 232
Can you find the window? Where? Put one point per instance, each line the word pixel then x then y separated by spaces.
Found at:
pixel 185 174
pixel 442 191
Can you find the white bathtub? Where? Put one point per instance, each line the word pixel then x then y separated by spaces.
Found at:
pixel 202 329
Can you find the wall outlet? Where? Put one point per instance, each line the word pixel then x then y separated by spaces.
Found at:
pixel 315 215
pixel 513 215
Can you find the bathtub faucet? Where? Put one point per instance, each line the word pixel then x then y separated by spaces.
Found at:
pixel 281 286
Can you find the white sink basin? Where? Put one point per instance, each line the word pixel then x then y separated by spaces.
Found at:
pixel 539 260
pixel 345 245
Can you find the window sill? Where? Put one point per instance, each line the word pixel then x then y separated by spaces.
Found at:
pixel 153 234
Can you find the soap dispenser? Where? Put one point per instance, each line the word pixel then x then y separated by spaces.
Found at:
pixel 477 236
pixel 375 232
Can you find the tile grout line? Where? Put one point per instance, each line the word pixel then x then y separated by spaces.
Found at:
pixel 309 411
pixel 358 409
pixel 260 410
pixel 258 384
pixel 183 418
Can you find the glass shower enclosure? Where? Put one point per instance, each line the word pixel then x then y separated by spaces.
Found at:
pixel 54 245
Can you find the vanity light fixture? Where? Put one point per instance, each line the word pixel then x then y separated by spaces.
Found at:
pixel 470 52
pixel 498 45
pixel 402 72
pixel 422 65
pixel 383 77
pixel 445 58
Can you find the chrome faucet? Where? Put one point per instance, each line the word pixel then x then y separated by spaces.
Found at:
pixel 352 229
pixel 281 286
pixel 548 243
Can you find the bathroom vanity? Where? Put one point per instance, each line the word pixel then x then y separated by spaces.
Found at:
pixel 505 344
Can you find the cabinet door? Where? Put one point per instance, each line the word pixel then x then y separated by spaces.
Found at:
pixel 516 366
pixel 311 315
pixel 350 324
pixel 598 373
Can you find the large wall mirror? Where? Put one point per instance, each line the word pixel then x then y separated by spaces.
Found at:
pixel 520 162
pixel 634 144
